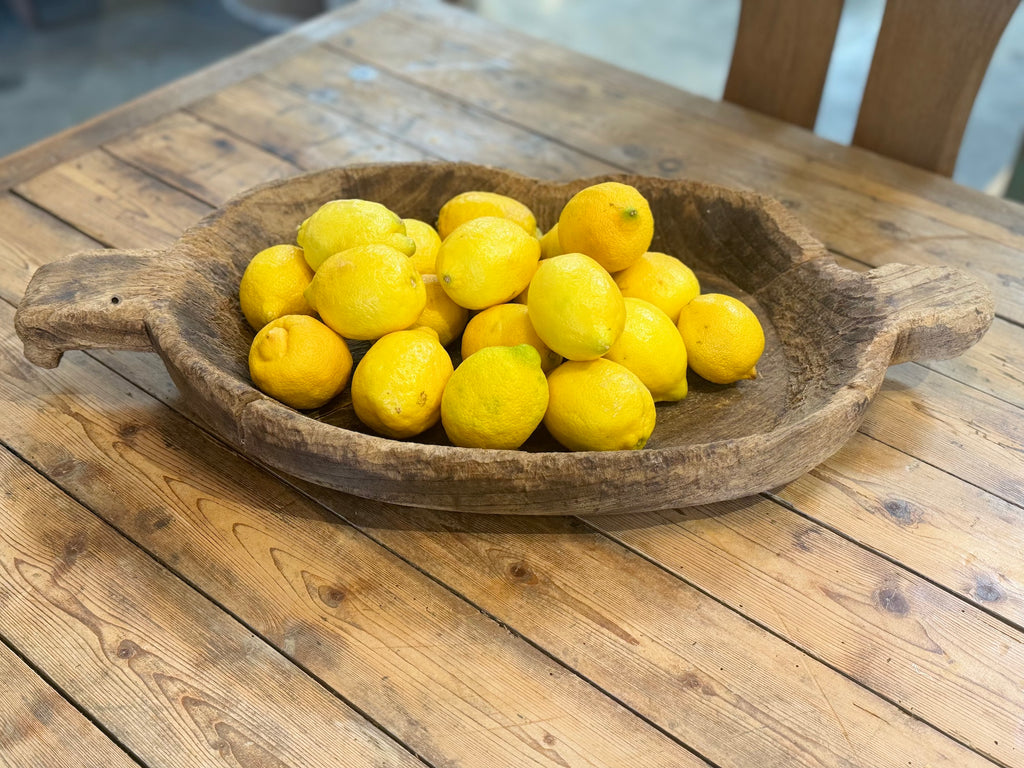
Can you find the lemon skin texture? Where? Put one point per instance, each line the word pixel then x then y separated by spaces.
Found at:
pixel 397 386
pixel 487 261
pixel 474 204
pixel 495 399
pixel 598 405
pixel 367 291
pixel 273 284
pixel 609 222
pixel 300 361
pixel 723 338
pixel 342 224
pixel 575 306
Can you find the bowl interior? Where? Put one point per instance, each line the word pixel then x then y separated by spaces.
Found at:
pixel 737 243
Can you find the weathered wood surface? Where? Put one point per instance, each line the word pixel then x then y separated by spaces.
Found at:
pixel 171 675
pixel 781 56
pixel 37 724
pixel 736 722
pixel 923 502
pixel 929 61
pixel 831 334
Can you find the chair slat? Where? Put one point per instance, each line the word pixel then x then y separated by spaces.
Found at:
pixel 929 62
pixel 781 57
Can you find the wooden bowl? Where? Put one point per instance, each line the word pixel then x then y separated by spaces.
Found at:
pixel 830 332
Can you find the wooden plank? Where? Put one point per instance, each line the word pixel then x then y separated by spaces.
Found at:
pixel 781 57
pixel 299 130
pixel 930 191
pixel 445 679
pixel 68 144
pixel 100 195
pixel 955 533
pixel 740 696
pixel 917 645
pixel 971 435
pixel 753 743
pixel 39 727
pixel 439 126
pixel 29 237
pixel 608 117
pixel 199 159
pixel 170 675
pixel 929 61
pixel 622 688
pixel 995 365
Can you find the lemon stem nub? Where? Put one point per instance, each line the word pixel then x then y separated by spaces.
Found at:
pixel 630 213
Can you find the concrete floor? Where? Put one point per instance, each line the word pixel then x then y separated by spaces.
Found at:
pixel 55 77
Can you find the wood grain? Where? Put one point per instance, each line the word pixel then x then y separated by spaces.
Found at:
pixel 954 533
pixel 197 158
pixel 781 56
pixel 419 661
pixel 301 131
pixel 156 377
pixel 172 676
pixel 39 727
pixel 635 128
pixel 915 644
pixel 461 586
pixel 929 61
pixel 440 126
pixel 655 642
pixel 978 438
pixel 99 195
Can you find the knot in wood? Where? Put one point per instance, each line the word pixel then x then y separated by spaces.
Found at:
pixel 892 600
pixel 521 572
pixel 126 649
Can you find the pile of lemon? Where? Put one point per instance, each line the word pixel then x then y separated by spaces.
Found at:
pixel 581 328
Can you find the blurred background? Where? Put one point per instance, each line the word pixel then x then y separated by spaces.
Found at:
pixel 62 61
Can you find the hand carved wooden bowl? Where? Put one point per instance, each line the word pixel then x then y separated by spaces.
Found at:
pixel 831 333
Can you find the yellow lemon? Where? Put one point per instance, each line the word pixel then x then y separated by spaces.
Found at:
pixel 723 337
pixel 442 314
pixel 598 405
pixel 474 204
pixel 342 224
pixel 550 244
pixel 367 291
pixel 575 306
pixel 506 325
pixel 652 348
pixel 495 398
pixel 609 222
pixel 272 285
pixel 660 279
pixel 427 245
pixel 299 361
pixel 486 261
pixel 397 386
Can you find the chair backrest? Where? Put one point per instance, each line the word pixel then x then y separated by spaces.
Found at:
pixel 929 62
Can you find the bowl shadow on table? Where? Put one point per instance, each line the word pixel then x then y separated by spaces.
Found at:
pixel 372 515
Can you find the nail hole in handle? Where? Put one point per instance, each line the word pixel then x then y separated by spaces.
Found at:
pixel 115 299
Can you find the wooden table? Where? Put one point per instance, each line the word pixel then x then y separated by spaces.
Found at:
pixel 165 602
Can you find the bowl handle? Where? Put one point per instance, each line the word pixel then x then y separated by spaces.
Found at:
pixel 935 312
pixel 92 300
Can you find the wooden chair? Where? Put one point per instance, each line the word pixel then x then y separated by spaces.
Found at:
pixel 929 62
